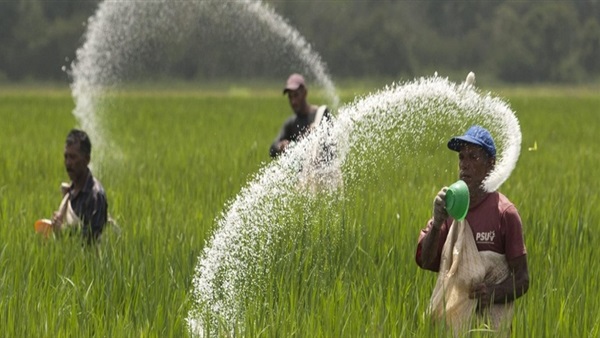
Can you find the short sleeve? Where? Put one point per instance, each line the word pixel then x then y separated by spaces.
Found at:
pixel 513 238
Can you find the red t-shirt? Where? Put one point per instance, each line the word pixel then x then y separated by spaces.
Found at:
pixel 496 226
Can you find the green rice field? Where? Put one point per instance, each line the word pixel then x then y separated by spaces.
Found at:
pixel 179 157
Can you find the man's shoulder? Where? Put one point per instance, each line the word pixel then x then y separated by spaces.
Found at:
pixel 323 107
pixel 326 110
pixel 496 200
pixel 505 204
pixel 98 188
pixel 290 120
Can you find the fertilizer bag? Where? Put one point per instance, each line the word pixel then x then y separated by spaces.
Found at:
pixel 461 267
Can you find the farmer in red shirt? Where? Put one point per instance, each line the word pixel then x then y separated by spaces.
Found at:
pixel 494 221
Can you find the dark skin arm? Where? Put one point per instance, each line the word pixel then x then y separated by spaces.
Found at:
pixel 431 242
pixel 429 250
pixel 282 140
pixel 510 289
pixel 279 145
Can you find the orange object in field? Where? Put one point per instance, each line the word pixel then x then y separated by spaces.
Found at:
pixel 43 227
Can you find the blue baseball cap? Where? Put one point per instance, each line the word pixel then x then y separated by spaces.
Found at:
pixel 475 135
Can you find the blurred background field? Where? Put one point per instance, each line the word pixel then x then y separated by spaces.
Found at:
pixel 510 41
pixel 185 154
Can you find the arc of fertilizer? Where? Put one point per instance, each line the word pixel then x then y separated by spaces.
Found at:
pixel 236 258
pixel 119 35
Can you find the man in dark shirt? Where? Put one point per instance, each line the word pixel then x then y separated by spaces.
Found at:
pixel 84 203
pixel 306 116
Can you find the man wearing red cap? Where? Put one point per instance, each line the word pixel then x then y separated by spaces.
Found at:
pixel 305 118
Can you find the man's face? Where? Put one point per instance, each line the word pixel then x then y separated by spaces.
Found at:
pixel 75 161
pixel 297 100
pixel 474 165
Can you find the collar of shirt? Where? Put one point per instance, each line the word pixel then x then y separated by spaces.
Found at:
pixel 87 187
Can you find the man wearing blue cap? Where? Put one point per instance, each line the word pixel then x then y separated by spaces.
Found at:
pixel 493 220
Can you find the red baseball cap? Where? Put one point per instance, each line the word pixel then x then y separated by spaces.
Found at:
pixel 294 82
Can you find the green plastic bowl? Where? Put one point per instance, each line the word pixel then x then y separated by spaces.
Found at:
pixel 457 200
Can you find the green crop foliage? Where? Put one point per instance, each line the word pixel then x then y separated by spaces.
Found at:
pixel 343 269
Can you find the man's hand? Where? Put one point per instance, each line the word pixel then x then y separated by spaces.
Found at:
pixel 282 145
pixel 439 208
pixel 510 289
pixel 481 293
